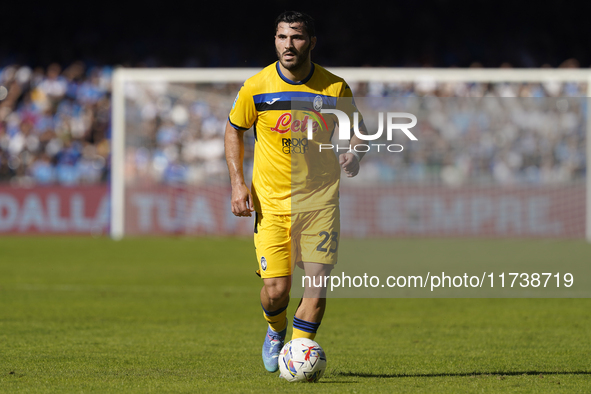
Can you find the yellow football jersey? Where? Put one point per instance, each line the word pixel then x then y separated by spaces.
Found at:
pixel 290 173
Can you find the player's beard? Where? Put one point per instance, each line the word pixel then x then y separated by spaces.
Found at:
pixel 300 58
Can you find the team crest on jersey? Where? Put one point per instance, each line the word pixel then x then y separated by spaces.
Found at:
pixel 317 103
pixel 263 263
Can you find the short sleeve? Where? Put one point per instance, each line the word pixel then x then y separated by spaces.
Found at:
pixel 346 90
pixel 243 113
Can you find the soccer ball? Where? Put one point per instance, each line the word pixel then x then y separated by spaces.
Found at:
pixel 302 360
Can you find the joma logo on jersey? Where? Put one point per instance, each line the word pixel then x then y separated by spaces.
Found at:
pixel 294 145
pixel 285 124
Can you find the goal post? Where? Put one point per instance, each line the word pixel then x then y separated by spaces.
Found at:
pixel 120 77
pixel 183 80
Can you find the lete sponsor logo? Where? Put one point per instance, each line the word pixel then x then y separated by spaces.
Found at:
pixel 285 124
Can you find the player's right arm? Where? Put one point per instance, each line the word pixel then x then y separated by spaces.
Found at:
pixel 241 197
pixel 242 117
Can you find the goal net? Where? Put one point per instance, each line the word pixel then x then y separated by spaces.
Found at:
pixel 499 153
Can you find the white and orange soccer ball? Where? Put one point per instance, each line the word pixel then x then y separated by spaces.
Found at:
pixel 302 360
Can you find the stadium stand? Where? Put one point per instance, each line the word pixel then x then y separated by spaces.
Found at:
pixel 55 129
pixel 54 125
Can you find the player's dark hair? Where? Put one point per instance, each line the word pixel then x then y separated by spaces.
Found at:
pixel 295 17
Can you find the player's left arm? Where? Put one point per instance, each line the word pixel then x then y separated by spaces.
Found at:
pixel 349 161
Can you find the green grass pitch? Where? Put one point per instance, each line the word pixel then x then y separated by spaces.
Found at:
pixel 181 315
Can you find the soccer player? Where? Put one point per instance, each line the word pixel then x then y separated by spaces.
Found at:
pixel 294 184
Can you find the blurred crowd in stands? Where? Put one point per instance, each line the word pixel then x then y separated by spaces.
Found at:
pixel 55 129
pixel 54 125
pixel 175 132
pixel 496 139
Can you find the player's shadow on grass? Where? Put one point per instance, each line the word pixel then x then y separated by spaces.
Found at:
pixel 435 375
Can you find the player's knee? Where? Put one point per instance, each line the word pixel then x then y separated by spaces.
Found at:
pixel 277 290
pixel 276 295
